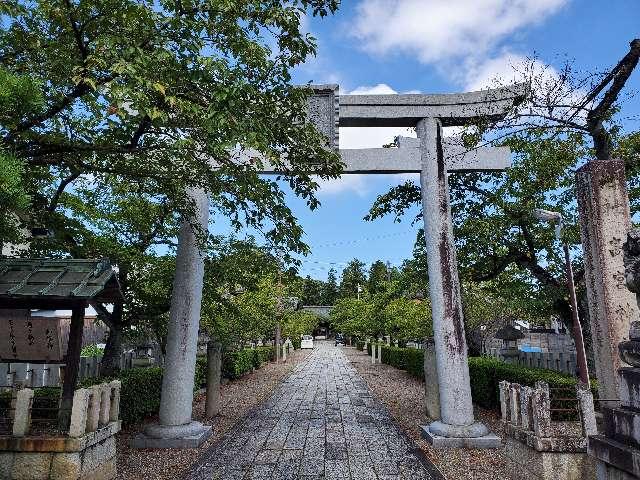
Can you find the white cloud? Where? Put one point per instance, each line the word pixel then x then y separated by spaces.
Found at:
pixel 380 89
pixel 504 69
pixel 356 137
pixel 345 183
pixel 371 137
pixel 435 30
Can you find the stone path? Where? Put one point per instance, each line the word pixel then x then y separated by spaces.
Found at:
pixel 321 423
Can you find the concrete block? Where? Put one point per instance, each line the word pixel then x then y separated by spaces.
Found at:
pixel 629 391
pixel 31 466
pixel 6 464
pixel 529 463
pixel 79 412
pixel 22 413
pixel 65 466
pixel 623 457
pixel 105 405
pixel 98 454
pixel 93 412
pixel 144 441
pixel 114 409
pixel 105 471
pixel 490 440
pixel 623 425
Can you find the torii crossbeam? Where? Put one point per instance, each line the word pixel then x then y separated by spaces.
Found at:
pixel 431 155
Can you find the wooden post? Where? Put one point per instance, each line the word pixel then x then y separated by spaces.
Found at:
pixel 72 362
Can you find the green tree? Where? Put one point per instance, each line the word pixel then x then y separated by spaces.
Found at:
pixel 352 317
pixel 378 276
pixel 297 323
pixel 406 319
pixel 312 291
pixel 330 288
pixel 156 91
pixel 125 221
pixel 353 279
pixel 21 95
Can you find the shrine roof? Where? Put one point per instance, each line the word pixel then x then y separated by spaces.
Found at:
pixel 34 283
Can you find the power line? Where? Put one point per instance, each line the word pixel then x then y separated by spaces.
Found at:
pixel 364 239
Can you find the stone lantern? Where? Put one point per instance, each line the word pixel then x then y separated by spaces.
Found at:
pixel 509 336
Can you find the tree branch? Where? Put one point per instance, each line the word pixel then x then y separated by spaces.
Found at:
pixel 63 184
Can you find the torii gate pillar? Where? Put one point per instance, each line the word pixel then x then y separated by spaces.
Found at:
pixel 457 427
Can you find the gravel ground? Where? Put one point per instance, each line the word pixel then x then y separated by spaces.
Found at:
pixel 238 398
pixel 403 395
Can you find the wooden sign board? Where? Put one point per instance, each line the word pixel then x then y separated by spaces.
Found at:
pixel 29 339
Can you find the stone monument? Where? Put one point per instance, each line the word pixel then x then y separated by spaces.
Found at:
pixel 603 205
pixel 617 449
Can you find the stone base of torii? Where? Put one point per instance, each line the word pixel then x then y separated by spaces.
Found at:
pixel 431 156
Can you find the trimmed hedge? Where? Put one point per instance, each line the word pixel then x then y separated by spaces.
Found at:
pixel 409 359
pixel 140 393
pixel 141 387
pixel 239 362
pixel 360 345
pixel 200 376
pixel 486 373
pixel 263 355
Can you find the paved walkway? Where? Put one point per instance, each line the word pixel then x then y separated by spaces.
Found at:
pixel 321 423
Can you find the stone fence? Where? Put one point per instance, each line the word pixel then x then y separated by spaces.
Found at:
pixel 50 375
pixel 539 447
pixel 86 451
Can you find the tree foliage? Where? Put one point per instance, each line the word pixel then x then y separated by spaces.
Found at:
pixel 354 278
pixel 161 90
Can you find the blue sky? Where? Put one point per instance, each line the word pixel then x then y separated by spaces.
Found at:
pixel 431 46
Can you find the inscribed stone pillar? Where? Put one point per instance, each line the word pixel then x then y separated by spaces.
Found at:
pixel 432 395
pixel 175 428
pixel 603 205
pixel 214 364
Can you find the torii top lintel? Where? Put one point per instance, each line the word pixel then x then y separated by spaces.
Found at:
pixel 453 109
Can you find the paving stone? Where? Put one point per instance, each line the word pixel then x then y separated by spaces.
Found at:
pixel 321 423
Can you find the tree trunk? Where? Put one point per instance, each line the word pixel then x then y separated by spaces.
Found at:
pixel 110 364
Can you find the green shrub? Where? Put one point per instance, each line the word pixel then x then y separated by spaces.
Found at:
pixel 486 374
pixel 360 345
pixel 264 354
pixel 92 351
pixel 200 376
pixel 409 359
pixel 237 363
pixel 297 342
pixel 140 393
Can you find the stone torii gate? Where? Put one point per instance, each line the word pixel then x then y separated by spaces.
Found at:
pixel 432 156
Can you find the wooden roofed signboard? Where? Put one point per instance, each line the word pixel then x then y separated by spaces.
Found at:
pixel 27 284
